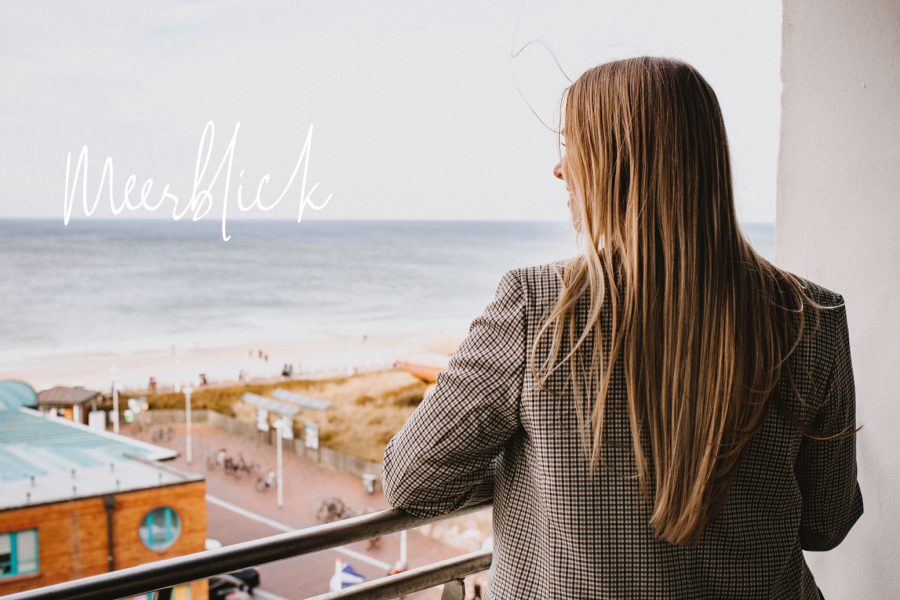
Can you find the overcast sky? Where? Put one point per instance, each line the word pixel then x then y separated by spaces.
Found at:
pixel 414 104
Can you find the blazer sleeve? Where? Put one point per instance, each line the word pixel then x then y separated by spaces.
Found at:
pixel 826 469
pixel 442 459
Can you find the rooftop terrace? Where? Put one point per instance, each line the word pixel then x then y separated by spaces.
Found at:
pixel 50 459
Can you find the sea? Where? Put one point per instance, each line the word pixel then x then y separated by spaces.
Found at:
pixel 127 285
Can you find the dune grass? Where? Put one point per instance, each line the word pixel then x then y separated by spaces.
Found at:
pixel 367 408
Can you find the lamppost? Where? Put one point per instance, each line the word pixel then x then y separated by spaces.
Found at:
pixel 400 566
pixel 187 418
pixel 115 395
pixel 279 460
pixel 403 548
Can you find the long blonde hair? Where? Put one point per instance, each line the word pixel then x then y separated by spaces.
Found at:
pixel 702 323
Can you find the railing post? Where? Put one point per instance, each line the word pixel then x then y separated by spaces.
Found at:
pixel 454 590
pixel 163 594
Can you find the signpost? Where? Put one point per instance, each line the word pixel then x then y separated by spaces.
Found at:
pixel 311 435
pixel 311 438
pixel 262 419
pixel 288 431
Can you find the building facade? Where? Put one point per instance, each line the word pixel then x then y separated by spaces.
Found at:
pixel 72 403
pixel 76 502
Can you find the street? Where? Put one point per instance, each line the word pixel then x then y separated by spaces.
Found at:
pixel 237 512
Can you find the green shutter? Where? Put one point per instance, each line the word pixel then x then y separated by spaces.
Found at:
pixel 168 513
pixel 13 554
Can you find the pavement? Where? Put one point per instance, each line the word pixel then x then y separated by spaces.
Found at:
pixel 236 512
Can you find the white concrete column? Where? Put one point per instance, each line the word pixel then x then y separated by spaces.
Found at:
pixel 115 395
pixel 838 224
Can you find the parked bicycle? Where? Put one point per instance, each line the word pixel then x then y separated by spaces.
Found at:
pixel 235 467
pixel 374 543
pixel 217 460
pixel 247 467
pixel 264 483
pixel 140 424
pixel 163 434
pixel 333 509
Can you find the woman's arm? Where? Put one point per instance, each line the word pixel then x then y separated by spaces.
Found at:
pixel 442 458
pixel 826 469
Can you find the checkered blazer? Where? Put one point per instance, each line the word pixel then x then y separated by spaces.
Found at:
pixel 486 431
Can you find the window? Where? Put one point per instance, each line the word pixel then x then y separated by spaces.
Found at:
pixel 160 528
pixel 18 552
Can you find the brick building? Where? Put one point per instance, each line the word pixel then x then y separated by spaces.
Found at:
pixel 76 502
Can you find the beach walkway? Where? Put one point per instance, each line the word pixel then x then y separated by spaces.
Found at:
pixel 236 512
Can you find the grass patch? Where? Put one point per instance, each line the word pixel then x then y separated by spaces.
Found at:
pixel 367 408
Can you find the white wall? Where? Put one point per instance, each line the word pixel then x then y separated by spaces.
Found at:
pixel 838 223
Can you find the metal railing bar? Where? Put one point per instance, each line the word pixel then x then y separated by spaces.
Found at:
pixel 200 565
pixel 416 579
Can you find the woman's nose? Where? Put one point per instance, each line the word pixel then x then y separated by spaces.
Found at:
pixel 557 171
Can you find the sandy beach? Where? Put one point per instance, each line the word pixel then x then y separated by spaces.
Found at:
pixel 223 364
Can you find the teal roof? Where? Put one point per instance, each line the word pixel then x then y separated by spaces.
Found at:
pixel 279 408
pixel 14 394
pixel 301 400
pixel 33 445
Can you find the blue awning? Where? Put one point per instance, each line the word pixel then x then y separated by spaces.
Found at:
pixel 16 394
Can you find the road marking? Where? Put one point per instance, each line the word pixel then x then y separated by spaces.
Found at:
pixel 281 526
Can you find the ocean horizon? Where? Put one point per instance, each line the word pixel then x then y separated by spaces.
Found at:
pixel 126 285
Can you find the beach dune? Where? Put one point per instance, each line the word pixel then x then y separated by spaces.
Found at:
pixel 262 360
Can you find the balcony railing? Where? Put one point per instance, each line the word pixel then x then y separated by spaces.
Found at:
pixel 161 576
